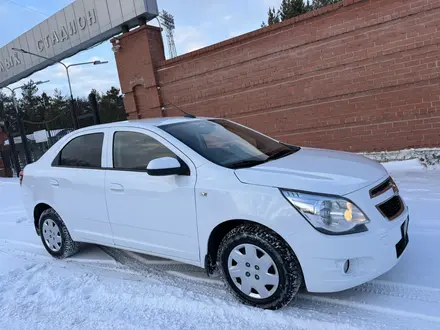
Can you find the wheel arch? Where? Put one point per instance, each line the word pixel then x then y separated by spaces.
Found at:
pixel 38 210
pixel 220 231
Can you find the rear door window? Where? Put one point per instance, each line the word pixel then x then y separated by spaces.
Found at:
pixel 83 151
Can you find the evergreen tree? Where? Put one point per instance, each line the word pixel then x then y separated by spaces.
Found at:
pixel 30 106
pixel 316 4
pixel 60 109
pixel 111 106
pixel 291 8
pixel 272 17
pixel 8 110
pixel 42 111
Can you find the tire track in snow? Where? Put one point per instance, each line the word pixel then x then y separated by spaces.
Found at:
pixel 156 261
pixel 193 278
pixel 23 243
pixel 373 308
pixel 378 287
pixel 209 289
pixel 406 285
pixel 319 307
pixel 409 292
pixel 400 291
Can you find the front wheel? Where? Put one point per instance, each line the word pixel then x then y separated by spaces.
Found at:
pixel 259 267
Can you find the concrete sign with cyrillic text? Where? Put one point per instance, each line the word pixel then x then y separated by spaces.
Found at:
pixel 77 27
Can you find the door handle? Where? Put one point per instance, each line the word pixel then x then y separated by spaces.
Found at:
pixel 116 187
pixel 54 183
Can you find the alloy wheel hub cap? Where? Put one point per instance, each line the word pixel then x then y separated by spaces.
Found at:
pixel 253 271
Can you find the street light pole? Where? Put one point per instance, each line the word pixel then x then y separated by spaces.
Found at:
pixel 67 67
pixel 72 100
pixel 20 121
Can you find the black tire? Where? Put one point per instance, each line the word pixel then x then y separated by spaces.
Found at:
pixel 289 269
pixel 68 246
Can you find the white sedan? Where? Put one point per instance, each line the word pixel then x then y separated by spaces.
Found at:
pixel 212 193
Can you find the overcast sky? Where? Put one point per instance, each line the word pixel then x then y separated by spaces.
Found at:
pixel 199 23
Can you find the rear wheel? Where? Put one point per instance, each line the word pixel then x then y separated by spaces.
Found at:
pixel 259 267
pixel 55 236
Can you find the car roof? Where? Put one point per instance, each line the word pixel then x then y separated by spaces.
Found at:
pixel 149 122
pixel 140 123
pixel 164 121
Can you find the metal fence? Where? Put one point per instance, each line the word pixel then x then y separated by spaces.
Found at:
pixel 40 136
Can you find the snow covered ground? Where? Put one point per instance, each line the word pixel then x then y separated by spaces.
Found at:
pixel 112 289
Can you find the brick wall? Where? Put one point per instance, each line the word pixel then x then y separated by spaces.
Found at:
pixel 358 75
pixel 138 53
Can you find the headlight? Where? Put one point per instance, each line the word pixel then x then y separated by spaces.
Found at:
pixel 328 214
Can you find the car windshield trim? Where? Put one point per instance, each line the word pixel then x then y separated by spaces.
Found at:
pixel 245 163
pixel 280 153
pixel 228 144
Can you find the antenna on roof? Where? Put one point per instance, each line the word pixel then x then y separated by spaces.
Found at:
pixel 185 114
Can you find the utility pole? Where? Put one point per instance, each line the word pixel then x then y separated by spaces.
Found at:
pixel 49 135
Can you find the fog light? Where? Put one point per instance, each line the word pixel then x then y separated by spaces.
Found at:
pixel 346 266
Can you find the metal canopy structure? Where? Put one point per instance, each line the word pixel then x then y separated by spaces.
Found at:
pixel 79 26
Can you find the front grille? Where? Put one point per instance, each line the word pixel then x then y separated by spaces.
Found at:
pixel 383 187
pixel 391 208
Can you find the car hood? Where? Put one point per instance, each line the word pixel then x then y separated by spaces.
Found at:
pixel 316 170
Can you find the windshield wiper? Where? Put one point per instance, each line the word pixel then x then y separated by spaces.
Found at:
pixel 245 163
pixel 291 147
pixel 276 154
pixel 283 152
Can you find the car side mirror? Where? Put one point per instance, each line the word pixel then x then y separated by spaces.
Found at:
pixel 166 166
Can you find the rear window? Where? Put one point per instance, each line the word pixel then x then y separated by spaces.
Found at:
pixel 83 151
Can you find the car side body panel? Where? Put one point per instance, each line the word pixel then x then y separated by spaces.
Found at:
pixel 76 194
pixel 153 214
pixel 221 200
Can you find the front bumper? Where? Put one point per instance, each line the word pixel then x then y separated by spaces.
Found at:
pixel 370 254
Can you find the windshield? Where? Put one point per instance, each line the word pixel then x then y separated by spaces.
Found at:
pixel 228 144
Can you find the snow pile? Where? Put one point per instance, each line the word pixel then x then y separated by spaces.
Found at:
pixel 387 156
